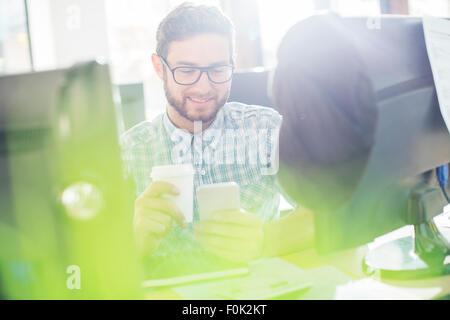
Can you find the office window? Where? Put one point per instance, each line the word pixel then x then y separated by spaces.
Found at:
pixel 14 49
pixel 277 17
pixel 356 7
pixel 437 8
pixel 64 32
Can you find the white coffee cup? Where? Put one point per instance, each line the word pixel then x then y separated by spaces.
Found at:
pixel 181 176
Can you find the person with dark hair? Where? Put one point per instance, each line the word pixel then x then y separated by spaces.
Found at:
pixel 322 90
pixel 195 60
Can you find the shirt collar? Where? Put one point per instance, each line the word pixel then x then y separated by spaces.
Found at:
pixel 211 136
pixel 175 134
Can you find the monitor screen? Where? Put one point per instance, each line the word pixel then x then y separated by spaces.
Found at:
pixel 66 212
pixel 411 138
pixel 362 128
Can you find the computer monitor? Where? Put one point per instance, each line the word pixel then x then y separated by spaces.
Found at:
pixel 398 184
pixel 65 210
pixel 132 100
pixel 251 87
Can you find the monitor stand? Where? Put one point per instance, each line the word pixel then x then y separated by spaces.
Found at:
pixel 424 255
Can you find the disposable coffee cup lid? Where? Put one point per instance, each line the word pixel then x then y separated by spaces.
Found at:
pixel 174 170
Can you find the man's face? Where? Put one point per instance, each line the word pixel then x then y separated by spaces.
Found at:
pixel 202 100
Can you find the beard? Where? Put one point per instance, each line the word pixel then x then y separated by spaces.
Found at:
pixel 180 105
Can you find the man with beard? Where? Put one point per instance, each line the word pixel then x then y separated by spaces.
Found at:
pixel 195 60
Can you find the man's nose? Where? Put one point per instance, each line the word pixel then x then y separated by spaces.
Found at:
pixel 203 83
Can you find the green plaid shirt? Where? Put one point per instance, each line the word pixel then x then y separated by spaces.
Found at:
pixel 238 146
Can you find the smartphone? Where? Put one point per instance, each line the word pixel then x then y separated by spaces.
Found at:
pixel 217 197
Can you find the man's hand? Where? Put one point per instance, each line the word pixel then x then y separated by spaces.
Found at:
pixel 154 214
pixel 233 235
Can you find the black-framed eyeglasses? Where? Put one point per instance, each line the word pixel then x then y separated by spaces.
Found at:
pixel 187 76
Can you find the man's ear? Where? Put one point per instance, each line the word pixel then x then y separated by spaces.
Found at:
pixel 157 65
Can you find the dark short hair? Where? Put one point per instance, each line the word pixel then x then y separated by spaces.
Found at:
pixel 322 89
pixel 188 20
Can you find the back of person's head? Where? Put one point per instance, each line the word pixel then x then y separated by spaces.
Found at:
pixel 326 98
pixel 188 20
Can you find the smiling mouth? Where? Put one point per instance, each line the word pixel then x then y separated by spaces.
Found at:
pixel 199 101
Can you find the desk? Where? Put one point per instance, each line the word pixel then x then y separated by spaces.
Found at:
pixel 350 262
pixel 359 285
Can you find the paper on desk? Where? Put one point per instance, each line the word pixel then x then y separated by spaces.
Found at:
pixel 262 273
pixel 437 39
pixel 370 289
pixel 323 282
